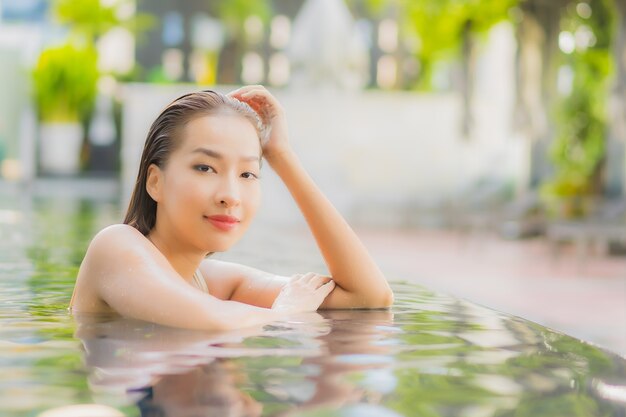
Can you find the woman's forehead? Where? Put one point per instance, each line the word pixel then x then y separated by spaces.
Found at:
pixel 226 131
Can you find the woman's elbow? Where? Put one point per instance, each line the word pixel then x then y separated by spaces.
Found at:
pixel 387 299
pixel 381 300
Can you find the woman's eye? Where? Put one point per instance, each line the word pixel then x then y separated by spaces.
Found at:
pixel 204 168
pixel 249 175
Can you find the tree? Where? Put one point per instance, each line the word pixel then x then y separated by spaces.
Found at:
pixel 579 147
pixel 233 14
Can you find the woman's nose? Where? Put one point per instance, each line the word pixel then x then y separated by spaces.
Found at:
pixel 228 194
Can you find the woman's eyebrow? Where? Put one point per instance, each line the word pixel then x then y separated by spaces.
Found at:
pixel 217 155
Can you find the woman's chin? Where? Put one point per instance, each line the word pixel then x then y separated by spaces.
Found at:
pixel 219 246
pixel 223 241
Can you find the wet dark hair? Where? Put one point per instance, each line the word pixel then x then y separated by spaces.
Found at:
pixel 164 137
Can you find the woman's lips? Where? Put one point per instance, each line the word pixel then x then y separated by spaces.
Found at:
pixel 223 222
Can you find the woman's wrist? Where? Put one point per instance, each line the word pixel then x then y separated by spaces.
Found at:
pixel 277 157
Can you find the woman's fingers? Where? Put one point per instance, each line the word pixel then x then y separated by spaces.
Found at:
pixel 304 292
pixel 249 91
pixel 310 280
pixel 305 278
pixel 257 95
pixel 328 287
pixel 319 280
pixel 271 113
pixel 314 280
pixel 295 277
pixel 244 89
pixel 260 100
pixel 257 99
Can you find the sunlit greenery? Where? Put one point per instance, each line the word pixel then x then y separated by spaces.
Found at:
pixel 446 31
pixel 65 77
pixel 579 148
pixel 441 28
pixel 90 19
pixel 233 13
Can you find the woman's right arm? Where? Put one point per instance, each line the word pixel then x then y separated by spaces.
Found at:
pixel 137 281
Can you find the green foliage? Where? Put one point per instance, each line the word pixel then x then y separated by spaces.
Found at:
pixel 90 19
pixel 65 79
pixel 233 13
pixel 579 148
pixel 157 76
pixel 87 17
pixel 444 26
pixel 441 26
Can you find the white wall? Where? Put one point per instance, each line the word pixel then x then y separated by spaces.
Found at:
pixel 375 154
pixel 384 150
pixel 19 46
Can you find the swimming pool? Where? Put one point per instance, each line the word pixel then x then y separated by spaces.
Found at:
pixel 431 355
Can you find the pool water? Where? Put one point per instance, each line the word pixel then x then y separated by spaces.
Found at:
pixel 430 355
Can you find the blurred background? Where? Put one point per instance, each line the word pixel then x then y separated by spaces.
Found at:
pixel 478 146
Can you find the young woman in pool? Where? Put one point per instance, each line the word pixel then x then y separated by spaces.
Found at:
pixel 196 193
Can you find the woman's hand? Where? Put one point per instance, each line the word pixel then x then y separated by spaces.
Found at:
pixel 271 113
pixel 303 293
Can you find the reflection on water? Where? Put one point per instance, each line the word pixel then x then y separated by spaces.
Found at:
pixel 431 355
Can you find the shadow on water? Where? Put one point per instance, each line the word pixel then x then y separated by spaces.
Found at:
pixel 431 355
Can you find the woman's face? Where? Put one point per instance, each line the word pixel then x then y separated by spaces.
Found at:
pixel 209 190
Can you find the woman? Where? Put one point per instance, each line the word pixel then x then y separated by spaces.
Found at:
pixel 196 193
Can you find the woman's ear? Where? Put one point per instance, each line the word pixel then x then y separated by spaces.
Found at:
pixel 154 182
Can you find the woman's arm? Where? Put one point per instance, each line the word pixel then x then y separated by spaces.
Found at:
pixel 136 281
pixel 359 281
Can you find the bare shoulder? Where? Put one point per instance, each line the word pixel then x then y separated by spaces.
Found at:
pixel 123 272
pixel 118 234
pixel 113 247
pixel 118 241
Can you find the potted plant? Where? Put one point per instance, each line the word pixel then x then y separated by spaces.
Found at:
pixel 65 83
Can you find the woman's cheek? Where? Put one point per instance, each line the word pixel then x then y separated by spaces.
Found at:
pixel 248 209
pixel 195 190
pixel 255 199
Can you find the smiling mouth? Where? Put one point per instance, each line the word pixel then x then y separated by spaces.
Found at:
pixel 223 223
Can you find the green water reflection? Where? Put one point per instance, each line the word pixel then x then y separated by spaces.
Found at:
pixel 431 355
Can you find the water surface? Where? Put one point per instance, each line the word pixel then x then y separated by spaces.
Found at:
pixel 430 355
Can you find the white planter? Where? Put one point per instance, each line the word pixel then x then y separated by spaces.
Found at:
pixel 59 148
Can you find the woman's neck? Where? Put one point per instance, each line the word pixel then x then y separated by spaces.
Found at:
pixel 183 259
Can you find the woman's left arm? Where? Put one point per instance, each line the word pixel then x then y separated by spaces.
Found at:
pixel 359 281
